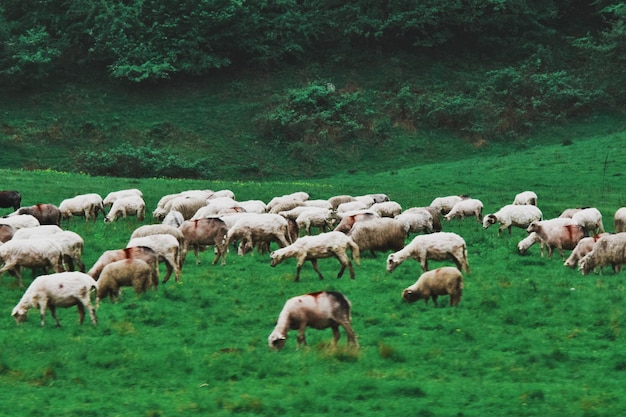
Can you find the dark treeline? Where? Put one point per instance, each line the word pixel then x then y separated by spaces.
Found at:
pixel 142 40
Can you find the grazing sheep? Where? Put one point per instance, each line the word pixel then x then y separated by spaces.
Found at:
pixel 167 249
pixel 444 204
pixel 205 232
pixel 174 218
pixel 6 232
pixel 434 212
pixel 250 230
pixel 569 213
pixel 528 241
pixel 466 208
pixel 295 212
pixel 160 211
pixel 584 246
pixel 590 219
pixel 316 247
pixel 446 280
pixel 186 205
pixel 30 253
pixel 382 234
pixel 350 218
pixel 86 205
pixel 321 218
pixel 63 289
pixel 525 198
pixel 124 273
pixel 437 246
pixel 115 195
pixel 337 200
pixel 561 233
pixel 222 193
pixel 608 250
pixel 417 220
pixel 319 310
pixel 44 213
pixel 253 206
pixel 20 222
pixel 379 197
pixel 162 229
pixel 619 220
pixel 513 215
pixel 386 209
pixel 141 252
pixel 286 202
pixel 351 206
pixel 45 230
pixel 127 206
pixel 72 246
pixel 319 203
pixel 217 206
pixel 10 198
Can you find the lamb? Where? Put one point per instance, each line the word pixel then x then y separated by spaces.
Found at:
pixel 250 230
pixel 145 254
pixel 127 206
pixel 386 209
pixel 465 208
pixel 590 219
pixel 124 273
pixel 63 289
pixel 382 234
pixel 417 220
pixel 608 250
pixel 513 215
pixel 561 233
pixel 316 247
pixel 584 246
pixel 30 253
pixel 174 218
pixel 20 222
pixel 44 213
pixel 437 246
pixel 525 198
pixel 204 232
pixel 619 220
pixel 116 195
pixel 10 198
pixel 445 204
pixel 321 218
pixel 319 310
pixel 167 249
pixel 87 205
pixel 350 218
pixel 446 280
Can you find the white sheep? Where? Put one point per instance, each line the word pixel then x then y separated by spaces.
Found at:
pixel 286 202
pixel 295 212
pixel 256 228
pixel 144 253
pixel 337 200
pixel 127 206
pixel 466 208
pixel 379 197
pixel 186 205
pixel 525 244
pixel 608 250
pixel 30 253
pixel 434 213
pixel 20 222
pixel 382 234
pixel 167 249
pixel 351 206
pixel 590 219
pixel 319 310
pixel 569 213
pixel 584 246
pixel 174 218
pixel 386 209
pixel 513 215
pixel 319 203
pixel 312 248
pixel 63 289
pixel 45 230
pixel 436 246
pixel 446 280
pixel 619 220
pixel 123 273
pixel 560 233
pixel 348 219
pixel 85 205
pixel 253 206
pixel 445 204
pixel 525 198
pixel 160 229
pixel 160 211
pixel 72 247
pixel 115 195
pixel 420 220
pixel 217 206
pixel 321 218
pixel 222 193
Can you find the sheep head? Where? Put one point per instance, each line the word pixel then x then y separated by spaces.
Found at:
pixel 276 340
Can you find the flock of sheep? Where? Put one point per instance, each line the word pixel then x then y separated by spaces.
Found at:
pixel 32 237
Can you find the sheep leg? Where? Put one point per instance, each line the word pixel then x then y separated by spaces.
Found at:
pixel 345 262
pixel 336 334
pixel 168 270
pixel 81 312
pixel 53 312
pixel 349 332
pixel 317 269
pixel 92 314
pixel 301 336
pixel 434 301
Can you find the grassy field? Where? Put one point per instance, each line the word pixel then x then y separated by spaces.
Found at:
pixel 529 338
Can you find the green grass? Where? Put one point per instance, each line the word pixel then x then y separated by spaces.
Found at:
pixel 529 338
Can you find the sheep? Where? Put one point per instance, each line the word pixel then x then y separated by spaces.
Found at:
pixel 186 205
pixel 590 219
pixel 115 195
pixel 20 222
pixel 465 208
pixel 584 246
pixel 379 234
pixel 316 247
pixel 561 233
pixel 284 206
pixel 30 253
pixel 319 203
pixel 295 212
pixel 203 232
pixel 437 246
pixel 253 206
pixel 222 193
pixel 446 280
pixel 167 249
pixel 434 212
pixel 45 230
pixel 293 199
pixel 350 218
pixel 160 212
pixel 6 232
pixel 513 215
pixel 524 244
pixel 141 252
pixel 445 204
pixel 525 198
pixel 379 198
pixel 87 205
pixel 608 250
pixel 386 209
pixel 160 229
pixel 250 230
pixel 10 198
pixel 123 273
pixel 72 246
pixel 337 200
pixel 44 213
pixel 63 289
pixel 127 206
pixel 174 218
pixel 351 206
pixel 321 218
pixel 216 206
pixel 619 220
pixel 319 310
pixel 417 220
pixel 569 213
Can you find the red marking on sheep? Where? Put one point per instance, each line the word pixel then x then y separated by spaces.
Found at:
pixel 315 294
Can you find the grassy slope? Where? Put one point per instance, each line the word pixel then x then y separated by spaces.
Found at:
pixel 529 338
